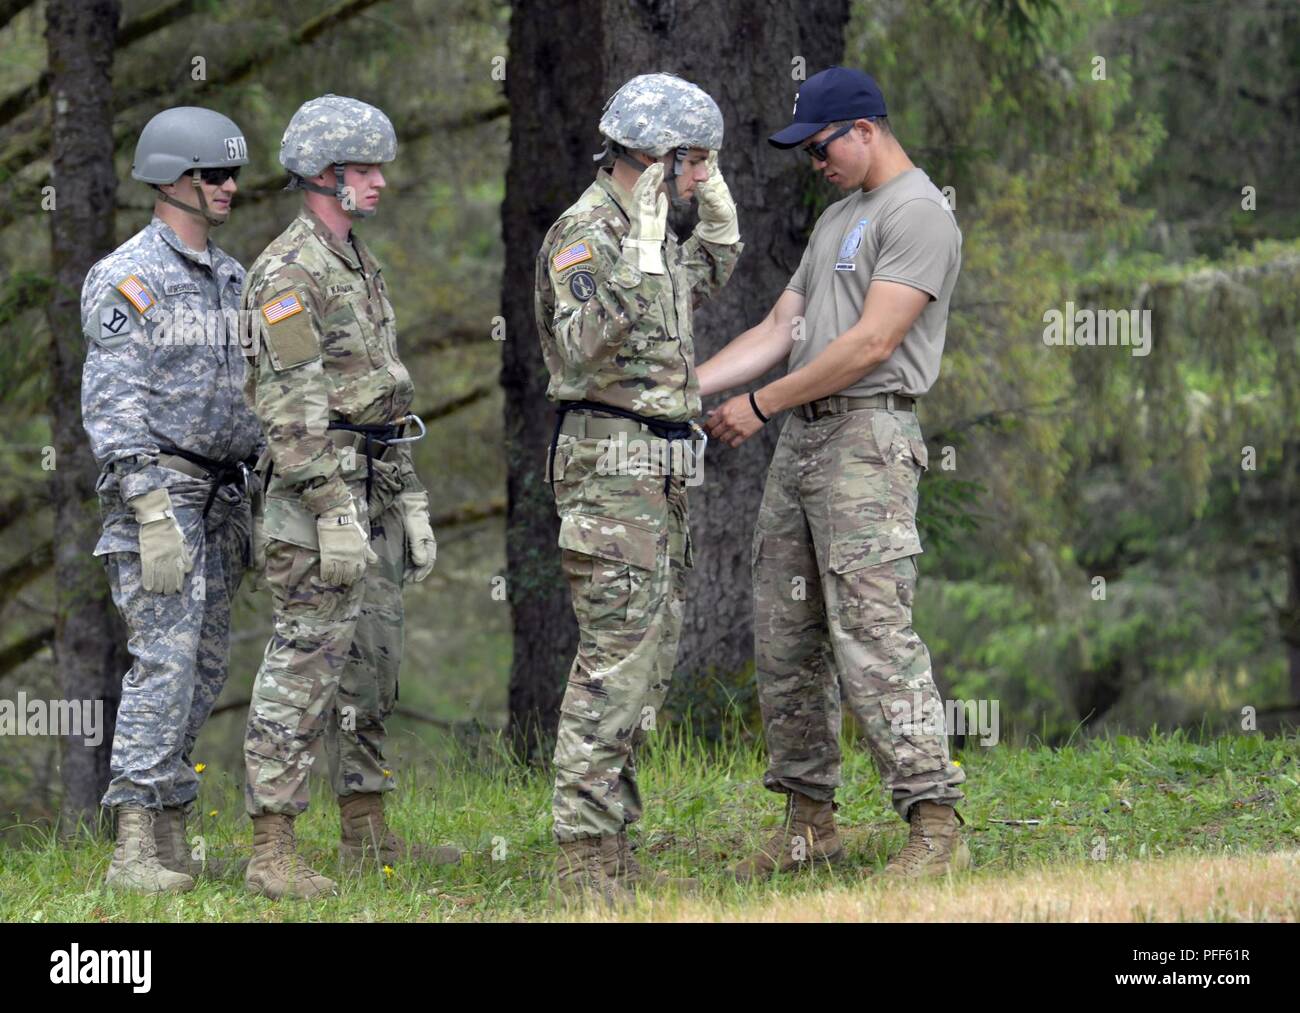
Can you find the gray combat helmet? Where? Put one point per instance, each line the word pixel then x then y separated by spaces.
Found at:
pixel 335 130
pixel 187 139
pixel 658 114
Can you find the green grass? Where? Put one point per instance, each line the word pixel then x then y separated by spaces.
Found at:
pixel 1164 795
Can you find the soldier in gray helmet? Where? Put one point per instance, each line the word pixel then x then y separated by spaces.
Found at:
pixel 346 518
pixel 614 296
pixel 162 403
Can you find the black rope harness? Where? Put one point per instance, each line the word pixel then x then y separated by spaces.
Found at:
pixel 661 428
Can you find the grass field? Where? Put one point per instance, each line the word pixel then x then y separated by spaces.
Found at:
pixel 1164 828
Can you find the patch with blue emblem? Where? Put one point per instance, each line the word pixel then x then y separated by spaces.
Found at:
pixel 849 248
pixel 582 285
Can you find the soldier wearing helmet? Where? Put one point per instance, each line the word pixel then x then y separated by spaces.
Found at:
pixel 614 295
pixel 346 520
pixel 162 403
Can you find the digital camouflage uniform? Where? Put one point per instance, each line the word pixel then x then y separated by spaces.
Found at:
pixel 332 661
pixel 164 366
pixel 614 335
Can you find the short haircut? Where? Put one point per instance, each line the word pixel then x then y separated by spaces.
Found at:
pixel 880 121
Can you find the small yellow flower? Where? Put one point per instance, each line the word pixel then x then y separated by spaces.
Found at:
pixel 213 813
pixel 388 773
pixel 199 768
pixel 388 871
pixel 956 763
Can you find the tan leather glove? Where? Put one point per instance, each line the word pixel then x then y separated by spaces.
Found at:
pixel 164 558
pixel 649 226
pixel 344 546
pixel 422 546
pixel 718 222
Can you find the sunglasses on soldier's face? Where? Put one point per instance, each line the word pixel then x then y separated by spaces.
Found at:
pixel 818 150
pixel 215 177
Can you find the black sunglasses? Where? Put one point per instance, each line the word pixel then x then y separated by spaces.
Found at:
pixel 818 150
pixel 215 177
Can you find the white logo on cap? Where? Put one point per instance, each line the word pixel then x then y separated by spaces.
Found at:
pixel 795 110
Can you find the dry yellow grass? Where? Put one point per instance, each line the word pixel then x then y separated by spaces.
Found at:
pixel 1260 887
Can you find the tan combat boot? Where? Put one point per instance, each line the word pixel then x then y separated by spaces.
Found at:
pixel 621 866
pixel 275 870
pixel 366 837
pixel 807 838
pixel 934 846
pixel 173 849
pixel 580 873
pixel 135 864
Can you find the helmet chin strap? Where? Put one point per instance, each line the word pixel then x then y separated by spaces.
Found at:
pixel 339 193
pixel 673 165
pixel 202 210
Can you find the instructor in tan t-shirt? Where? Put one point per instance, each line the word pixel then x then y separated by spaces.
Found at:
pixel 862 326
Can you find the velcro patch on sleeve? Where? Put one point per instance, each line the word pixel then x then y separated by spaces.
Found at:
pixel 136 294
pixel 290 337
pixel 574 253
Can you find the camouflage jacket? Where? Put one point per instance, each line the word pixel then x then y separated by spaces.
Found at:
pixel 164 363
pixel 609 333
pixel 324 341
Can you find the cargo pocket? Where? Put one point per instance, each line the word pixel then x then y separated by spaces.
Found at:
pixel 877 577
pixel 916 732
pixel 920 453
pixel 280 699
pixel 612 570
pixel 287 520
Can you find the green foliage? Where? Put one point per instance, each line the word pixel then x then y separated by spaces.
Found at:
pixel 1110 802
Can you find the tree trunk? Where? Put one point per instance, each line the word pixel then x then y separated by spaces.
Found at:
pixel 89 640
pixel 565 60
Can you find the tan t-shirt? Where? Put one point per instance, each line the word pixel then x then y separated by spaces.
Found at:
pixel 900 231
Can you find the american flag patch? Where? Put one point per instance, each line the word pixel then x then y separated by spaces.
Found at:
pixel 570 255
pixel 137 295
pixel 285 306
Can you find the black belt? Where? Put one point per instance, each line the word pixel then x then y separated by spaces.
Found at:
pixel 662 428
pixel 219 472
pixel 384 434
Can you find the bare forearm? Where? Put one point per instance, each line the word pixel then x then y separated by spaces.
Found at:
pixel 748 355
pixel 845 361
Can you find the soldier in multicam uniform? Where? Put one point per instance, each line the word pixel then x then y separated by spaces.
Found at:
pixel 839 508
pixel 162 404
pixel 346 519
pixel 614 296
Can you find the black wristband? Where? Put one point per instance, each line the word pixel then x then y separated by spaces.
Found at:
pixel 754 404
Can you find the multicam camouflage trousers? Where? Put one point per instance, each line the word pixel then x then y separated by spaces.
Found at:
pixel 834 566
pixel 330 669
pixel 625 547
pixel 180 643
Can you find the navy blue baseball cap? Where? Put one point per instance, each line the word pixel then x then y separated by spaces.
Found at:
pixel 835 94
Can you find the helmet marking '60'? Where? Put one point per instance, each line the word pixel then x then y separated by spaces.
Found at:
pixel 179 140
